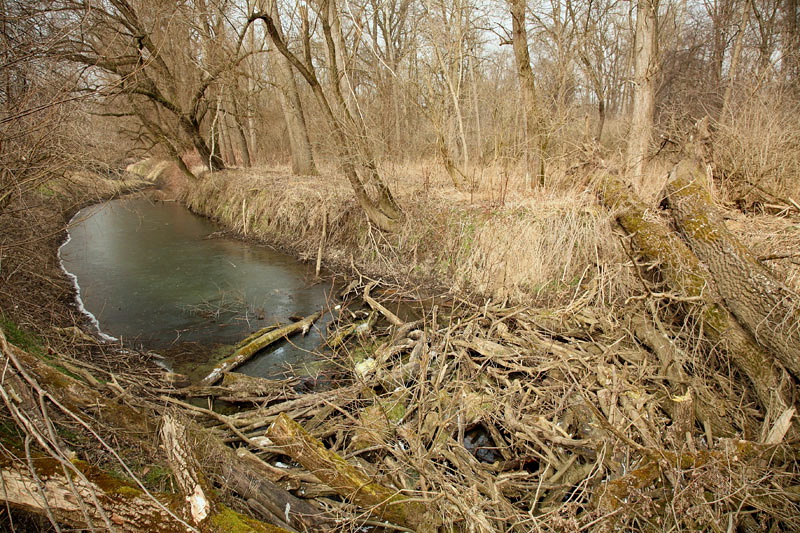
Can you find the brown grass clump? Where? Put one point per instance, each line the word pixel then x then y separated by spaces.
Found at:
pixel 757 148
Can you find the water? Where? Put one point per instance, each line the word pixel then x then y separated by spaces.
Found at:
pixel 149 275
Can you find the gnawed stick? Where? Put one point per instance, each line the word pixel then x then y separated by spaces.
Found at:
pixel 373 303
pixel 186 470
pixel 247 351
pixel 347 480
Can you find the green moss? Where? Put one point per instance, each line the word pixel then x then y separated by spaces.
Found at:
pixel 125 490
pixel 21 338
pixel 157 476
pixel 227 520
pixel 10 435
pixel 45 190
pixel 66 372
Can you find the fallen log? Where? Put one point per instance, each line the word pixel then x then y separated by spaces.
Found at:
pixel 764 305
pixel 237 387
pixel 95 499
pixel 130 507
pixel 347 480
pixel 684 273
pixel 89 501
pixel 241 355
pixel 186 470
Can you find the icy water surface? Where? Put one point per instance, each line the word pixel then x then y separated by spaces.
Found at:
pixel 154 275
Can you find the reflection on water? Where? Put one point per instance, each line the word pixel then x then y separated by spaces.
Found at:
pixel 152 277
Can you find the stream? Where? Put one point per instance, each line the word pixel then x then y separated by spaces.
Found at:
pixel 157 277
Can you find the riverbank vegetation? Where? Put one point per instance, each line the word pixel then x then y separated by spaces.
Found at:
pixel 568 235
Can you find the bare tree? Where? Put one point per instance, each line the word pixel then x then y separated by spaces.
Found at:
pixel 291 104
pixel 136 49
pixel 347 131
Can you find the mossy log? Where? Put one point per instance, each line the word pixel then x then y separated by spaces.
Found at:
pixel 347 480
pixel 244 353
pixel 97 500
pixel 684 273
pixel 136 426
pixel 47 490
pixel 616 493
pixel 765 306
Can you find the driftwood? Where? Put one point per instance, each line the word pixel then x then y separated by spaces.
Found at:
pixel 244 353
pixel 373 303
pixel 347 480
pixel 760 302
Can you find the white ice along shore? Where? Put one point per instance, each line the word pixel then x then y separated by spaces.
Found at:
pixel 78 299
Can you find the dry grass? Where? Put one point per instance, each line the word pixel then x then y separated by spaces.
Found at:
pixel 757 148
pixel 544 246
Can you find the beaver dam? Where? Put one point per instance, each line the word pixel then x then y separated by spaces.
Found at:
pixel 674 410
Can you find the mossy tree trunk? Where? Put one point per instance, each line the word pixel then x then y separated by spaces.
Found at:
pixel 684 273
pixel 764 305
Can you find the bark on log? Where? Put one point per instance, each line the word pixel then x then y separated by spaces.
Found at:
pixel 186 469
pixel 245 475
pixel 241 355
pixel 127 507
pixel 218 461
pixel 765 306
pixel 683 272
pixel 348 481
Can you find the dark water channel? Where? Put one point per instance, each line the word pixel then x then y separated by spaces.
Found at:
pixel 156 276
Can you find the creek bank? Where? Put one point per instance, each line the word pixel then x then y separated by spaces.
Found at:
pixel 549 391
pixel 155 274
pixel 590 421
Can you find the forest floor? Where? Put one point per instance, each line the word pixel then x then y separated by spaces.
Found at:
pixel 544 386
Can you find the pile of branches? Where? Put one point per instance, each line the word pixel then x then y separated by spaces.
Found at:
pixel 675 411
pixel 490 418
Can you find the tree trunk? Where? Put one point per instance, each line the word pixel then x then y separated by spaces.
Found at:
pixel 736 55
pixel 764 305
pixel 382 211
pixel 685 275
pixel 241 134
pixel 292 106
pixel 192 128
pixel 533 131
pixel 644 60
